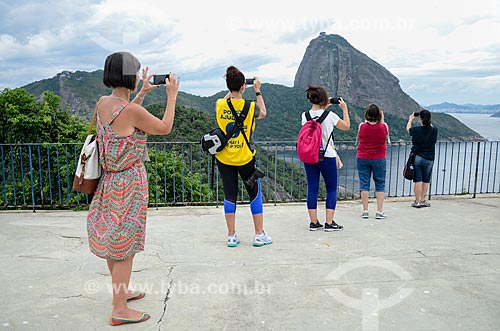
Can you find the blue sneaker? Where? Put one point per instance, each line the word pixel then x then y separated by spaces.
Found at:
pixel 262 239
pixel 232 241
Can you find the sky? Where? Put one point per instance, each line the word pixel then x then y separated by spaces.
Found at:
pixel 440 51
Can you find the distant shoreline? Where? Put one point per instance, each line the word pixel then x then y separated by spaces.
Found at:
pixel 484 124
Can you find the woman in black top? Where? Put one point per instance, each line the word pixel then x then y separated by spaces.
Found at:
pixel 424 139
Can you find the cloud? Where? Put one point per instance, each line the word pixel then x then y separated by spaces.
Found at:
pixel 24 19
pixel 433 45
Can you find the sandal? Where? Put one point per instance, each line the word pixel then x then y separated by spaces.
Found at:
pixel 114 321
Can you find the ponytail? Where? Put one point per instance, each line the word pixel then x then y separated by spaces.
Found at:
pixel 234 79
pixel 425 115
pixel 317 95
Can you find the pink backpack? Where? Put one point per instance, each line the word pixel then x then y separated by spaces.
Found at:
pixel 309 140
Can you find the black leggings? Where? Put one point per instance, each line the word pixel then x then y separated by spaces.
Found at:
pixel 229 175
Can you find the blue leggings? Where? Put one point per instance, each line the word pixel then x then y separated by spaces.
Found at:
pixel 229 176
pixel 328 169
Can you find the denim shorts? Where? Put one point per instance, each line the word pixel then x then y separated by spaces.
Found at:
pixel 423 170
pixel 365 170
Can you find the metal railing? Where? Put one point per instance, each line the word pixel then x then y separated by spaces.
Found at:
pixel 41 175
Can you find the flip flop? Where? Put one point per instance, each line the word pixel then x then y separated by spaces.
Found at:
pixel 114 321
pixel 138 296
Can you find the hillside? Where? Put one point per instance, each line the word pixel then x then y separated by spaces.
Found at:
pixel 329 61
pixel 80 90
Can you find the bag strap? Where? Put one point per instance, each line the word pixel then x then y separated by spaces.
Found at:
pixel 92 122
pixel 320 120
pixel 323 116
pixel 239 120
pixel 328 140
pixel 212 174
pixel 308 116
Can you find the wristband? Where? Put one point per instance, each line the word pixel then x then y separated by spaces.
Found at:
pixel 257 94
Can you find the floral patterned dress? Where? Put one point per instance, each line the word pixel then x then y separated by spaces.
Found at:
pixel 116 222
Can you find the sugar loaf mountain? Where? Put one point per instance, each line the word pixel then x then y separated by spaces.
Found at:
pixel 329 61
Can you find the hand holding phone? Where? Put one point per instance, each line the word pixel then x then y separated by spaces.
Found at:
pixel 335 101
pixel 160 79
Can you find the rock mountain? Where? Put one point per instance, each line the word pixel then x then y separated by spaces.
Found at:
pixel 330 61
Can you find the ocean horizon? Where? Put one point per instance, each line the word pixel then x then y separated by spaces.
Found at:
pixel 484 124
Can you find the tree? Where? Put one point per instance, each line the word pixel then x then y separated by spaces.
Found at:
pixel 24 119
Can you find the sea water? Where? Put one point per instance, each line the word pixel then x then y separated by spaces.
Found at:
pixel 484 124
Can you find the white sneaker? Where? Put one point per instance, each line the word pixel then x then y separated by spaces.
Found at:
pixel 380 215
pixel 232 241
pixel 262 239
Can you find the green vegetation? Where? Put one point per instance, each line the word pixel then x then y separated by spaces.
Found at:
pixel 24 119
pixel 284 104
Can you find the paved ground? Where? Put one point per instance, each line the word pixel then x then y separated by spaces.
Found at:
pixel 420 269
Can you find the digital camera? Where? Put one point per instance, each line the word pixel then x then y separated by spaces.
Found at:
pixel 335 101
pixel 249 81
pixel 416 114
pixel 160 79
pixel 250 182
pixel 321 156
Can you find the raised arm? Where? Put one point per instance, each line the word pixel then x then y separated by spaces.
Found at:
pixel 410 120
pixel 146 122
pixel 259 98
pixel 344 123
pixel 146 87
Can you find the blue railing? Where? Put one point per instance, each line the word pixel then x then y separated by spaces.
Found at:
pixel 41 175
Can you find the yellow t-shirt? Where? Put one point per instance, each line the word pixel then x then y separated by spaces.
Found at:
pixel 236 152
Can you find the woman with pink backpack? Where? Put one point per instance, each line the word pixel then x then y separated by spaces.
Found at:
pixel 327 163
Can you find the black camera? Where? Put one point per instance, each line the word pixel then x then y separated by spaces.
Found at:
pixel 335 101
pixel 321 156
pixel 250 182
pixel 416 114
pixel 160 79
pixel 249 81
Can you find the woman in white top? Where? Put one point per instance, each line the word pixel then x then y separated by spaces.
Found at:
pixel 328 166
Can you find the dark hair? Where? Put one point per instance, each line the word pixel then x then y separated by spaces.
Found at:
pixel 120 70
pixel 234 78
pixel 317 95
pixel 425 115
pixel 372 113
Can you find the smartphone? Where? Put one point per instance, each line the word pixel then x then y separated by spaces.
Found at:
pixel 335 101
pixel 249 81
pixel 160 79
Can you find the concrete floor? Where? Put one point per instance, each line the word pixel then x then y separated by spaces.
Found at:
pixel 434 268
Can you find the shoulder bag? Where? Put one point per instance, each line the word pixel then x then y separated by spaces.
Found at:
pixel 88 170
pixel 409 168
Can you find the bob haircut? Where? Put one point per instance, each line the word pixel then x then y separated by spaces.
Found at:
pixel 120 70
pixel 372 113
pixel 234 79
pixel 317 95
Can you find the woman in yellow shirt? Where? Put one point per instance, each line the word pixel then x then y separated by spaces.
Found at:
pixel 237 157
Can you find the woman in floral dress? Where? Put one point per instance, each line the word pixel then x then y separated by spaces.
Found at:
pixel 116 222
